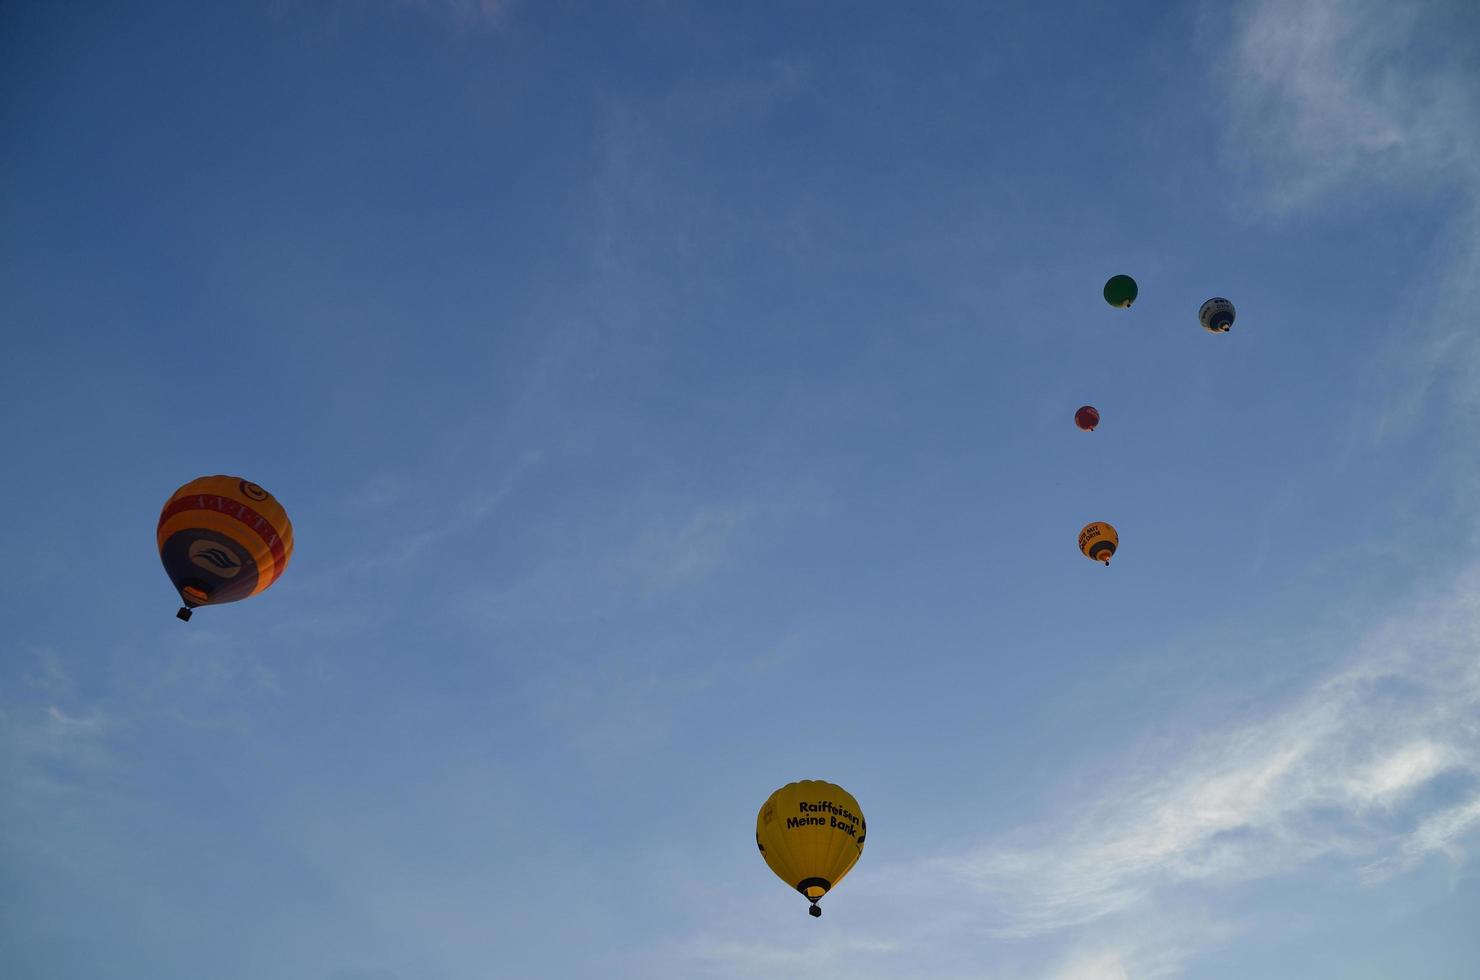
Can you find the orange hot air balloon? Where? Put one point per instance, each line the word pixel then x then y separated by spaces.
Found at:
pixel 1087 418
pixel 222 538
pixel 1098 540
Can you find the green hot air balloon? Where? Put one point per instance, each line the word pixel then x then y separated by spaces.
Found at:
pixel 1120 291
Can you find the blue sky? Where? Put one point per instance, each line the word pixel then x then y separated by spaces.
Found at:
pixel 675 400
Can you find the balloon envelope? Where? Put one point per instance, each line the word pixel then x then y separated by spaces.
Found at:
pixel 1087 418
pixel 1121 291
pixel 222 538
pixel 1216 315
pixel 810 833
pixel 1098 541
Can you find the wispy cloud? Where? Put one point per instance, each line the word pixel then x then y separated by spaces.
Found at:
pixel 738 958
pixel 1328 95
pixel 1442 833
pixel 1368 774
pixel 599 569
pixel 49 754
pixel 1100 965
pixel 1336 773
pixel 670 556
pixel 92 724
pixel 1157 943
pixel 1117 963
pixel 1337 100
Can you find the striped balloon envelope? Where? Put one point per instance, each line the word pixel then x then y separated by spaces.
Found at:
pixel 1098 541
pixel 222 538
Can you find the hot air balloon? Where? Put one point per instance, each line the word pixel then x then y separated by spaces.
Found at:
pixel 1216 315
pixel 222 538
pixel 1121 291
pixel 1087 418
pixel 811 834
pixel 1098 541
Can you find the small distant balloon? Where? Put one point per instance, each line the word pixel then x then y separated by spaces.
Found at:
pixel 1121 291
pixel 1098 541
pixel 1087 418
pixel 1216 315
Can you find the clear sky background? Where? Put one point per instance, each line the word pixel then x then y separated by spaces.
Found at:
pixel 674 400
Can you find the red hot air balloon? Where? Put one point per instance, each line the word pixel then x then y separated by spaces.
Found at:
pixel 1087 418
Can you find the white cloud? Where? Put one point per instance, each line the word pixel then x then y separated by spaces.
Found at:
pixel 1333 100
pixel 1368 774
pixel 1156 945
pixel 1329 95
pixel 47 757
pixel 1101 965
pixel 1336 773
pixel 67 721
pixel 1387 780
pixel 1443 831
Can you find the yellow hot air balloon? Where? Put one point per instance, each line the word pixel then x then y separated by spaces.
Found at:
pixel 811 834
pixel 222 538
pixel 1098 541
